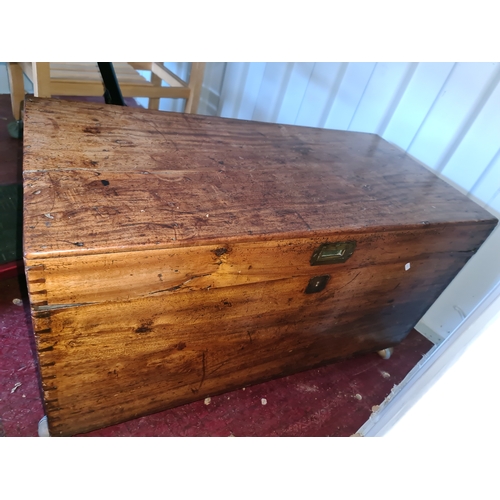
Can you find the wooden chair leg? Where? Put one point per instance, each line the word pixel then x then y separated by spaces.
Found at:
pixel 195 84
pixel 154 102
pixel 16 82
pixel 41 79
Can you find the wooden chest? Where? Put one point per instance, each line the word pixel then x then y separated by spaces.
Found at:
pixel 171 257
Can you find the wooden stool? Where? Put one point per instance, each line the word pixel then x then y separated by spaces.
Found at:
pixel 84 79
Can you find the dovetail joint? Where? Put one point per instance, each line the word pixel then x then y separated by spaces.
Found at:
pixel 45 349
pixel 41 314
pixel 37 267
pixel 39 304
pixel 37 281
pixel 46 330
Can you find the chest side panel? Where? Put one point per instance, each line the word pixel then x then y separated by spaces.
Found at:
pixel 130 333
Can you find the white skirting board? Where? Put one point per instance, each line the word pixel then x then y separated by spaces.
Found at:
pixel 452 357
pixel 429 333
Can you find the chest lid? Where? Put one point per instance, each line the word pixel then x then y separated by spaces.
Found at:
pixel 103 178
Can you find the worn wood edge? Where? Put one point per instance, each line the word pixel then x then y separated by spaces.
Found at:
pixel 32 101
pixel 327 234
pixel 89 280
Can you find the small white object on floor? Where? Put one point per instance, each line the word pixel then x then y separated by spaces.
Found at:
pixel 14 389
pixel 263 401
pixel 207 401
pixel 17 302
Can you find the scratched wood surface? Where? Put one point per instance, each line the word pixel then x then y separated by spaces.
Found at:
pixel 104 178
pixel 167 255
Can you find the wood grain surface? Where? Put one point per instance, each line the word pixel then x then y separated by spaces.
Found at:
pixel 167 255
pixel 102 178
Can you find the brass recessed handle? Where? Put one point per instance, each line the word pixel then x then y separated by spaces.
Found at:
pixel 332 253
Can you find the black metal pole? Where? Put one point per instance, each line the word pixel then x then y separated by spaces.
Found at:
pixel 112 92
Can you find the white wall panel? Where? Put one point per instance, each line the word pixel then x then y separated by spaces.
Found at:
pixel 351 88
pixel 495 205
pixel 296 87
pixel 4 80
pixel 272 90
pixel 481 141
pixel 416 102
pixel 487 187
pixel 253 75
pixel 318 93
pixel 233 89
pixel 376 103
pixel 211 89
pixel 450 114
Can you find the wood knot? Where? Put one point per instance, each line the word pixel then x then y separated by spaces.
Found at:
pixel 92 130
pixel 144 328
pixel 220 251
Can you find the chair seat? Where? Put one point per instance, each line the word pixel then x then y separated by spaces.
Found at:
pixel 84 79
pixel 89 72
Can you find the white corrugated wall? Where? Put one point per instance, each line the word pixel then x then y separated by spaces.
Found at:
pixel 446 115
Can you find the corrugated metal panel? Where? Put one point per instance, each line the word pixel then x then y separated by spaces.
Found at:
pixel 446 115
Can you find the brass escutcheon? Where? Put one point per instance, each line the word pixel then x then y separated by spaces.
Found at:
pixel 332 253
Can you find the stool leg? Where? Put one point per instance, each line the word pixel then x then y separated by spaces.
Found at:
pixel 41 79
pixel 154 102
pixel 16 83
pixel 195 84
